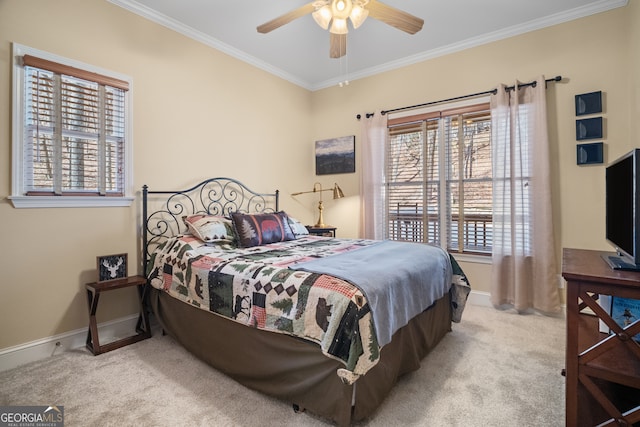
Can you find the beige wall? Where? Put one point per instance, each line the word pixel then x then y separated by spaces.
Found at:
pixel 593 53
pixel 220 116
pixel 197 113
pixel 634 56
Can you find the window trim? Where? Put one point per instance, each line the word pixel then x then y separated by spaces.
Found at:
pixel 18 197
pixel 439 112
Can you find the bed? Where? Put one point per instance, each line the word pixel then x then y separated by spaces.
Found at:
pixel 244 287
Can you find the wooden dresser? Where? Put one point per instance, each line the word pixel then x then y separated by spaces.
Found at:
pixel 602 370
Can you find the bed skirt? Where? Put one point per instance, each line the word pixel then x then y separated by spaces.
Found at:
pixel 295 370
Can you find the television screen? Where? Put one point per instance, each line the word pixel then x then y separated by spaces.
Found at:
pixel 620 205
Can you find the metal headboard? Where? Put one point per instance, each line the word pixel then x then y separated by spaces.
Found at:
pixel 215 196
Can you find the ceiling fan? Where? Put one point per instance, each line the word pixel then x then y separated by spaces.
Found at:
pixel 336 13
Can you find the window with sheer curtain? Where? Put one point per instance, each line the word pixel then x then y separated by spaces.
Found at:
pixel 439 179
pixel 73 132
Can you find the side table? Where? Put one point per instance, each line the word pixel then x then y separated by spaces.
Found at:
pixel 143 331
pixel 327 231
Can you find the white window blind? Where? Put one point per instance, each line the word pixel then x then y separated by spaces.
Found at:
pixel 74 131
pixel 469 181
pixel 439 181
pixel 413 182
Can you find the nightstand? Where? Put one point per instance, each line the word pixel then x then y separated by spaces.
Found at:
pixel 327 231
pixel 94 290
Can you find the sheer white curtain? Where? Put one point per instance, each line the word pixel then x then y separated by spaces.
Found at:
pixel 372 212
pixel 524 260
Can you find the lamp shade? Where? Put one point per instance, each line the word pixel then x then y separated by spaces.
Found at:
pixel 358 15
pixel 323 16
pixel 317 188
pixel 339 26
pixel 337 12
pixel 341 9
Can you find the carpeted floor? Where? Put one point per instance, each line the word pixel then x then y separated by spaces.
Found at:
pixel 495 369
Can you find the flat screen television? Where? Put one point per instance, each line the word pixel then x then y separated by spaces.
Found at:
pixel 622 208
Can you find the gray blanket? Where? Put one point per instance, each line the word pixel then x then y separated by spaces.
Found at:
pixel 399 279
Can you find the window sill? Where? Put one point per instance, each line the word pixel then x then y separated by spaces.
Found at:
pixel 20 202
pixel 477 259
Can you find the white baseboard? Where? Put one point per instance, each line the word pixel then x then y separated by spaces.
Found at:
pixel 12 357
pixel 480 298
pixel 483 299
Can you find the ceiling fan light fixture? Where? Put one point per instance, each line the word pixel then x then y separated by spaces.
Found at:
pixel 358 15
pixel 341 9
pixel 334 14
pixel 339 26
pixel 323 16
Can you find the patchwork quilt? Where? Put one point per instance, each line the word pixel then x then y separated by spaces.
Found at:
pixel 255 286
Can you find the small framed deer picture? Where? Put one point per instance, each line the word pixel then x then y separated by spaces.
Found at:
pixel 112 267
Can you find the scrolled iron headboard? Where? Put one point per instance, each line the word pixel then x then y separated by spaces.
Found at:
pixel 215 196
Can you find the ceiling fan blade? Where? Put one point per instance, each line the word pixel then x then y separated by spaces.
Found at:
pixel 338 46
pixel 395 17
pixel 286 18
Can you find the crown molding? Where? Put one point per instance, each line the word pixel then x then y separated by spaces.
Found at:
pixel 516 30
pixel 172 24
pixel 533 25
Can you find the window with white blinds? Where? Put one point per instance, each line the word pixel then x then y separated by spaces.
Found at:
pixel 74 132
pixel 438 179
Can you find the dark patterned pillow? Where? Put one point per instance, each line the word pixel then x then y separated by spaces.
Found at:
pixel 261 229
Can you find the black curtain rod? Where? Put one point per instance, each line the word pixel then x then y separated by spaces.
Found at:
pixel 486 92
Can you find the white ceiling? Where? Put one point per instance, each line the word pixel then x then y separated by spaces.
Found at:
pixel 299 51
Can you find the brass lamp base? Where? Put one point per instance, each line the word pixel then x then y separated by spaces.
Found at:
pixel 317 188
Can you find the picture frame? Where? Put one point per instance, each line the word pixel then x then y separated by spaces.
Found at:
pixel 625 311
pixel 589 128
pixel 588 103
pixel 590 154
pixel 111 267
pixel 336 155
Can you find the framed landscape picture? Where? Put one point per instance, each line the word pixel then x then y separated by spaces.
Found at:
pixel 336 155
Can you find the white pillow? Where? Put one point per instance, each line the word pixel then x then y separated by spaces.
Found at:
pixel 297 227
pixel 210 228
